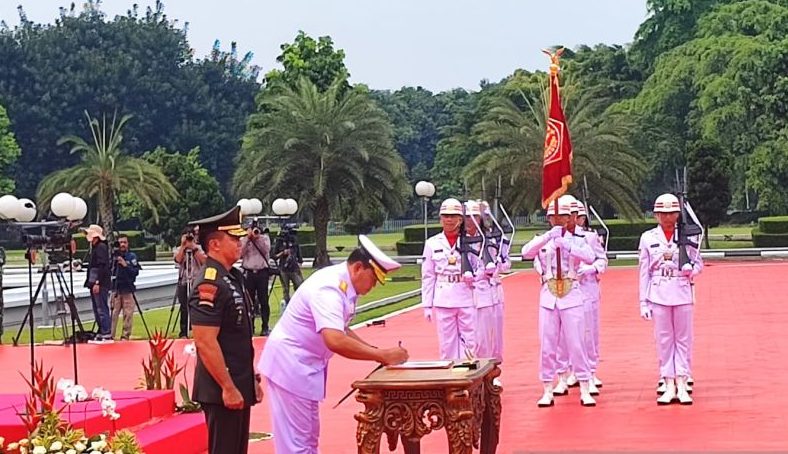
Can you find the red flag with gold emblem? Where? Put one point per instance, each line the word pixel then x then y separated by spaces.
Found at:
pixel 557 164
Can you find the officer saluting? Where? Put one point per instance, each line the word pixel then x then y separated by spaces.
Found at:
pixel 224 380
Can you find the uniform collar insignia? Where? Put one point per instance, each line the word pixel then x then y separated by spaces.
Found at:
pixel 343 286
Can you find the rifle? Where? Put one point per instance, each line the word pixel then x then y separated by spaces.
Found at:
pixel 466 247
pixel 604 234
pixel 688 224
pixel 511 229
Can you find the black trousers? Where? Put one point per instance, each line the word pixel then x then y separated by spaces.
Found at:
pixel 256 283
pixel 228 430
pixel 183 300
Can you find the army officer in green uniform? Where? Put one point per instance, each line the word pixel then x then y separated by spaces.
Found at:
pixel 225 383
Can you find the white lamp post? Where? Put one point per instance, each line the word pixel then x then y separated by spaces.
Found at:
pixel 284 207
pixel 425 190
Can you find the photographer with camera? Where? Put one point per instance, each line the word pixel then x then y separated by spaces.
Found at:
pixel 125 269
pixel 255 251
pixel 288 258
pixel 190 258
pixel 99 279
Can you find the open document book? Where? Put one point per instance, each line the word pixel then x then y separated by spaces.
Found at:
pixel 442 364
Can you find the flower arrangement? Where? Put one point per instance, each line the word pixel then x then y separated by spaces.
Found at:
pixel 188 405
pixel 160 369
pixel 48 433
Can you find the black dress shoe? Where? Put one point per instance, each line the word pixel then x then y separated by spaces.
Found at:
pixel 265 332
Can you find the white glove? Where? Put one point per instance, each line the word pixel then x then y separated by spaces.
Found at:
pixel 645 312
pixel 467 277
pixel 428 314
pixel 490 268
pixel 687 270
pixel 562 243
pixel 555 232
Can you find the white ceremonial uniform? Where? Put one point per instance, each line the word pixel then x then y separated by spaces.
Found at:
pixel 449 297
pixel 295 357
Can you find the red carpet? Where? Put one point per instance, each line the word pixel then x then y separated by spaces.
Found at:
pixel 740 362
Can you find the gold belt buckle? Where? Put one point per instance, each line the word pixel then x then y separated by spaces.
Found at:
pixel 559 287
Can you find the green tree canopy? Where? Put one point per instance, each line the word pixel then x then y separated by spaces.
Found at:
pixel 198 194
pixel 326 149
pixel 317 60
pixel 9 152
pixel 105 172
pixel 512 134
pixel 139 64
pixel 727 86
pixel 709 171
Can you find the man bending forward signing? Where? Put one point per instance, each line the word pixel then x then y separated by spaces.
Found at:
pixel 314 327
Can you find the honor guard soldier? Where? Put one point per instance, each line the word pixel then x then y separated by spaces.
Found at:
pixel 486 287
pixel 561 314
pixel 445 295
pixel 315 326
pixel 666 296
pixel 592 294
pixel 225 383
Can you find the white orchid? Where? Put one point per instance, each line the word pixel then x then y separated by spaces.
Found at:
pixel 56 446
pixel 64 383
pixel 39 450
pixel 190 349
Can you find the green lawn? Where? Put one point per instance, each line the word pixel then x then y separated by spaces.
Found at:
pixel 157 318
pixel 731 230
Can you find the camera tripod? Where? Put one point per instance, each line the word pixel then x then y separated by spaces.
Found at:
pixel 114 291
pixel 66 291
pixel 187 274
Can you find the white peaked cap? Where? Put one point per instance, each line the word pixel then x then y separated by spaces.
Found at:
pixel 380 262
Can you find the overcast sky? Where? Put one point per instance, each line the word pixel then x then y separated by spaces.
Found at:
pixel 436 44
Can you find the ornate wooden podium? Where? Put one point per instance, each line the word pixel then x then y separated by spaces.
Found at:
pixel 410 403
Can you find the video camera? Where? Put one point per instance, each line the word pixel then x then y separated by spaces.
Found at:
pixel 49 234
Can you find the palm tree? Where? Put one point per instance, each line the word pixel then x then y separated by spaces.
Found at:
pixel 330 150
pixel 514 136
pixel 106 171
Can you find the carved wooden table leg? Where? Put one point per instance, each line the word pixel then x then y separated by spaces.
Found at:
pixel 370 422
pixel 411 447
pixel 491 425
pixel 459 421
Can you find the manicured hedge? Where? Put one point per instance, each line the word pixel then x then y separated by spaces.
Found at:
pixel 623 243
pixel 415 233
pixel 411 247
pixel 761 239
pixel 624 228
pixel 304 235
pixel 774 224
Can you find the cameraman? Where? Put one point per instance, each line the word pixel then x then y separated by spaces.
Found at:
pixel 125 271
pixel 99 279
pixel 255 252
pixel 190 257
pixel 288 256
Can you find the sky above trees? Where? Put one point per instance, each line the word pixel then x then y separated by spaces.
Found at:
pixel 437 44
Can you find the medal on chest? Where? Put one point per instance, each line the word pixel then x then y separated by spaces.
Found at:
pixel 452 259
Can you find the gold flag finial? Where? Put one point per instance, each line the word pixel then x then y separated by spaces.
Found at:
pixel 554 56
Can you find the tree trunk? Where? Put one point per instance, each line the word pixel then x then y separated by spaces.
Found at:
pixel 321 232
pixel 106 215
pixel 706 244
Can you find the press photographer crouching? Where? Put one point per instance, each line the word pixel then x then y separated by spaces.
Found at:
pixel 255 252
pixel 190 258
pixel 99 280
pixel 125 269
pixel 287 253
